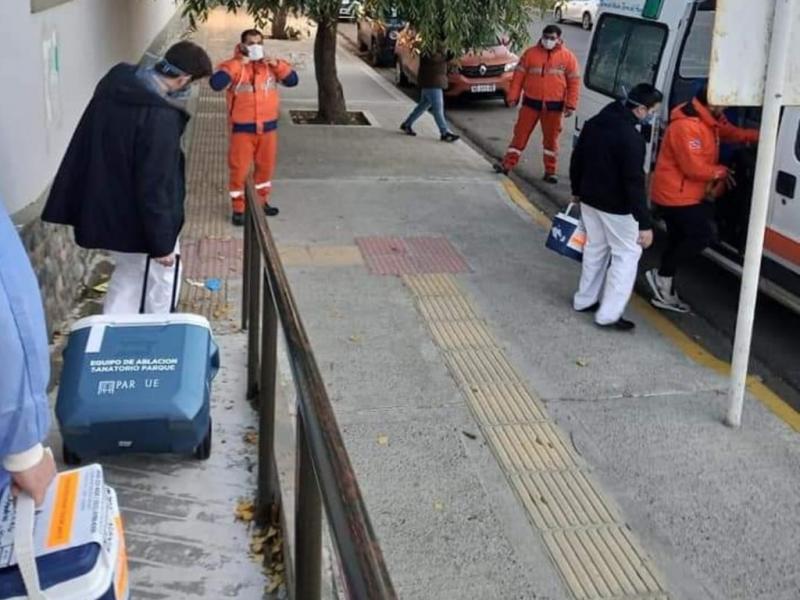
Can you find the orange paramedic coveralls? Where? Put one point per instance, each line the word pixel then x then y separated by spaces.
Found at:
pixel 253 108
pixel 549 83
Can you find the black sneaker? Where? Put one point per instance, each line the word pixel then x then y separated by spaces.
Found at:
pixel 407 130
pixel 590 309
pixel 550 178
pixel 270 211
pixel 450 137
pixel 621 325
pixel 237 219
pixel 500 168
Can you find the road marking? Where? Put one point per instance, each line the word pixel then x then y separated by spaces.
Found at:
pixel 669 330
pixel 521 200
pixel 583 531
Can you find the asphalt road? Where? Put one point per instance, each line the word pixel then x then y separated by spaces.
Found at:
pixel 712 292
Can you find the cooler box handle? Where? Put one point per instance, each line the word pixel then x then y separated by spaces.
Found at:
pixel 23 546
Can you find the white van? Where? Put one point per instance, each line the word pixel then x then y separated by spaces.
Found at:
pixel 668 43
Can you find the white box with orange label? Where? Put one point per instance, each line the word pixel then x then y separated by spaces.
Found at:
pixel 72 548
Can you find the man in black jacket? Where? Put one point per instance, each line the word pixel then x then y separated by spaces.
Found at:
pixel 607 175
pixel 121 185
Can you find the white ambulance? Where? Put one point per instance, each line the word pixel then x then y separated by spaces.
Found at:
pixel 668 43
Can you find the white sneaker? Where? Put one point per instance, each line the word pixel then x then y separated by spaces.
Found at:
pixel 664 294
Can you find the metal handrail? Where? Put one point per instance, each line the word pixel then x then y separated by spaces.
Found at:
pixel 325 475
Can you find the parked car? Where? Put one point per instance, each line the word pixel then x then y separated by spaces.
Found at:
pixel 484 72
pixel 579 11
pixel 378 33
pixel 349 10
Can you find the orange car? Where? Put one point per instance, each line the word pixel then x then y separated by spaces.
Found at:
pixel 481 73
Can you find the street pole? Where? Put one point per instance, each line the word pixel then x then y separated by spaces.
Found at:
pixel 762 189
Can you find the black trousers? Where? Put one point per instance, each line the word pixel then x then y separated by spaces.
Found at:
pixel 690 231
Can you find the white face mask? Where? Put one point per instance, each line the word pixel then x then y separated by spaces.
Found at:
pixel 255 52
pixel 549 44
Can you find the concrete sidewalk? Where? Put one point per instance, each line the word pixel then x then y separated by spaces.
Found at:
pixel 506 447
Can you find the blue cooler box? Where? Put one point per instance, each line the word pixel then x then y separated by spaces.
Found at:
pixel 73 548
pixel 137 384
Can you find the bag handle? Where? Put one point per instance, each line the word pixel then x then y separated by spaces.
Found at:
pixel 23 546
pixel 175 282
pixel 570 206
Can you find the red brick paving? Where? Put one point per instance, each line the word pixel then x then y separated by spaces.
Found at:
pixel 410 256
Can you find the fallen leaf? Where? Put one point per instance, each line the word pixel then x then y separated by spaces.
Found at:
pixel 257 545
pixel 271 533
pixel 245 511
pixel 275 582
pixel 101 288
pixel 356 339
pixel 383 440
pixel 251 437
pixel 438 505
pixel 582 362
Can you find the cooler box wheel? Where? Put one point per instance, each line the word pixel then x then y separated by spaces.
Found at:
pixel 203 451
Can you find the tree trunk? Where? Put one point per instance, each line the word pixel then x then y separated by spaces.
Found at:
pixel 332 108
pixel 279 19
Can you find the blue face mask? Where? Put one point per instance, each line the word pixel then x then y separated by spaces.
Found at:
pixel 649 119
pixel 182 94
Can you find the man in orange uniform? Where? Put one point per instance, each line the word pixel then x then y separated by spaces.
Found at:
pixel 251 81
pixel 549 76
pixel 688 173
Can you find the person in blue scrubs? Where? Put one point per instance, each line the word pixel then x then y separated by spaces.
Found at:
pixel 25 363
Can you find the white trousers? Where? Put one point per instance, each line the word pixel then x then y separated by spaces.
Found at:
pixel 125 288
pixel 610 262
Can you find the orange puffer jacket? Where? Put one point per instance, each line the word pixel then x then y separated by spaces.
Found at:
pixel 689 157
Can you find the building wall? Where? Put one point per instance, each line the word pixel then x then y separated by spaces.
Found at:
pixel 91 36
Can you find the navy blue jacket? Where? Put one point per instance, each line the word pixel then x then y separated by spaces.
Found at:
pixel 607 167
pixel 121 184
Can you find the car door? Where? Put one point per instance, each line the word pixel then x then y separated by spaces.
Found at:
pixel 783 230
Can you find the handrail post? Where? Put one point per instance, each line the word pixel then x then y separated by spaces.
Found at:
pixel 307 523
pixel 267 495
pixel 249 235
pixel 254 308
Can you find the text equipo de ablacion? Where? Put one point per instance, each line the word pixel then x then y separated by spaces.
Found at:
pixel 131 365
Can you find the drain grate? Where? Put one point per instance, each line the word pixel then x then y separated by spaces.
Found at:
pixel 311 117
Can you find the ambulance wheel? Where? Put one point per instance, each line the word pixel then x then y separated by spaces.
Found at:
pixel 203 451
pixel 70 458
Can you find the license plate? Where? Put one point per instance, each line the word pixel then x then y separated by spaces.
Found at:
pixel 484 89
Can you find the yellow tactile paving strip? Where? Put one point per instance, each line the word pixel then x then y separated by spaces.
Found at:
pixel 584 533
pixel 320 256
